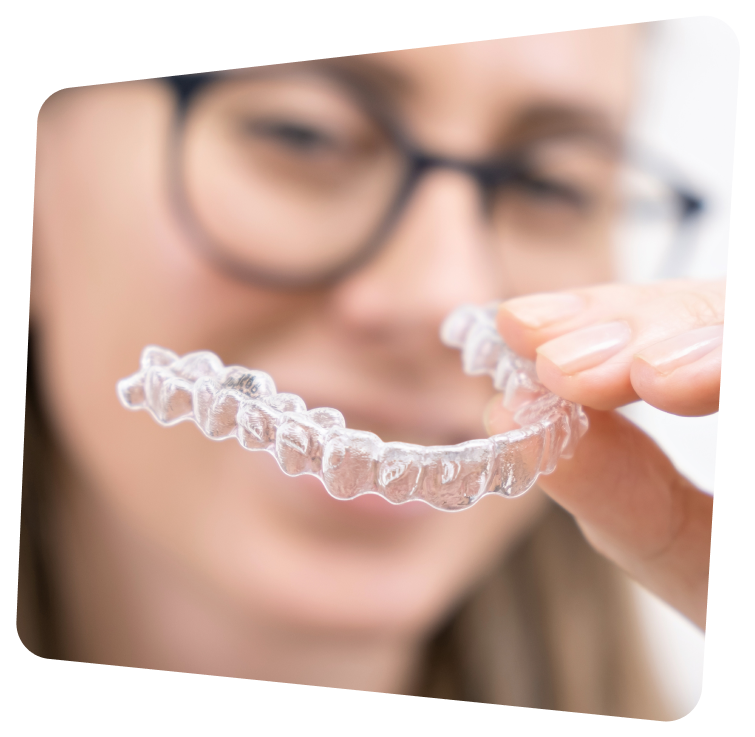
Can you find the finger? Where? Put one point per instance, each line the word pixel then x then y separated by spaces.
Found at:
pixel 593 346
pixel 636 509
pixel 681 375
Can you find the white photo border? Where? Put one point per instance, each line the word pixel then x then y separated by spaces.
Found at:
pixel 345 48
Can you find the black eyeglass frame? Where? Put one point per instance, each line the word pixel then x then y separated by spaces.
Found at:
pixel 488 174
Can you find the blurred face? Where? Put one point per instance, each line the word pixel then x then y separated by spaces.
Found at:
pixel 115 268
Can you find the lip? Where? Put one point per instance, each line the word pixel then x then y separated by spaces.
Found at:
pixel 311 492
pixel 404 418
pixel 395 407
pixel 407 417
pixel 407 424
pixel 376 506
pixel 429 410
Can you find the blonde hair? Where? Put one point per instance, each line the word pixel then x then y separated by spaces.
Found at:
pixel 552 627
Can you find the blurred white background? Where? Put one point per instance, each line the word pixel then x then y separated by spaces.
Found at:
pixel 686 113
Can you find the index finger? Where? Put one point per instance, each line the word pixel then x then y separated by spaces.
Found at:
pixel 610 345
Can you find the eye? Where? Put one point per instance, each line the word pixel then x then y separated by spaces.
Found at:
pixel 550 190
pixel 299 137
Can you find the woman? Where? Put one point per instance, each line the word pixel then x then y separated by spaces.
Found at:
pixel 318 221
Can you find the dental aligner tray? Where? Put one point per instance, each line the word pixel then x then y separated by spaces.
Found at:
pixel 232 401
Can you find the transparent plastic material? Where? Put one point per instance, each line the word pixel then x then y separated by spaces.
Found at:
pixel 232 401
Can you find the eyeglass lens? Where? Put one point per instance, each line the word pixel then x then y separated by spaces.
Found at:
pixel 289 174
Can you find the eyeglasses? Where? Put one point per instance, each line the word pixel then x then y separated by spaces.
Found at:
pixel 294 178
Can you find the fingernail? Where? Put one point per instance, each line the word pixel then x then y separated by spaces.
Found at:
pixel 586 348
pixel 539 310
pixel 682 349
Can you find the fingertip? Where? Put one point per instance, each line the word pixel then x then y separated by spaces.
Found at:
pixel 524 322
pixel 690 390
pixel 603 387
pixel 517 336
pixel 683 349
pixel 536 311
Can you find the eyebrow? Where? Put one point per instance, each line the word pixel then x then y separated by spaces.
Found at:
pixel 549 120
pixel 383 86
pixel 379 80
pixel 544 119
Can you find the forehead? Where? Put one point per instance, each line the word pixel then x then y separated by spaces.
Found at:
pixel 476 90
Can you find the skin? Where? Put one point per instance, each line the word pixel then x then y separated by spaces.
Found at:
pixel 629 500
pixel 178 553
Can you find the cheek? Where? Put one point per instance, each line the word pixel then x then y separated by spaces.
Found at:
pixel 540 268
pixel 117 273
pixel 113 269
pixel 113 272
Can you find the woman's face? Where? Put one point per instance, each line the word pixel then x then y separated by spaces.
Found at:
pixel 115 269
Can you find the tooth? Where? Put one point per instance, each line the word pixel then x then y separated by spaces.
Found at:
pixel 131 390
pixel 194 366
pixel 153 355
pixel 326 417
pixel 577 425
pixel 285 402
pixel 233 400
pixel 256 425
pixel 482 350
pixel 175 402
pixel 544 407
pixel 552 441
pixel 564 431
pixel 449 471
pixel 253 384
pixel 399 470
pixel 153 384
pixel 221 418
pixel 349 462
pixel 516 461
pixel 503 370
pixel 205 390
pixel 299 444
pixel 456 476
pixel 520 389
pixel 457 325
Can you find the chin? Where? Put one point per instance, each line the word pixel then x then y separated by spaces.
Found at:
pixel 298 557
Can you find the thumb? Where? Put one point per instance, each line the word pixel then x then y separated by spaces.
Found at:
pixel 634 507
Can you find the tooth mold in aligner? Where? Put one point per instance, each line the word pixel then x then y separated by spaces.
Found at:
pixel 232 401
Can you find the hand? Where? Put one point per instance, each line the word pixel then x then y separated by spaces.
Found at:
pixel 604 347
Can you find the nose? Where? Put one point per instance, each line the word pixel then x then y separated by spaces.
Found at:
pixel 437 256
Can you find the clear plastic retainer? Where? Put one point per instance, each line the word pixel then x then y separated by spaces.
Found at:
pixel 236 402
